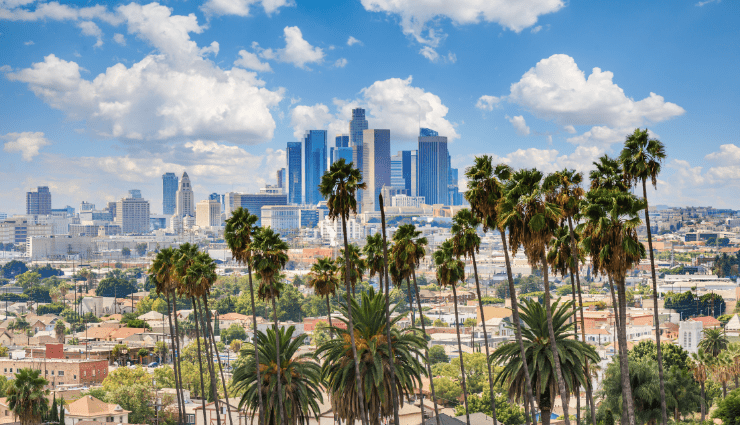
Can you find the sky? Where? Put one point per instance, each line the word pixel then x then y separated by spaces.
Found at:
pixel 97 98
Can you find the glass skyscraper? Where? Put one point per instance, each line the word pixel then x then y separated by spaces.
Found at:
pixel 433 167
pixel 403 171
pixel 314 145
pixel 357 125
pixel 336 153
pixel 295 174
pixel 169 193
pixel 341 141
pixel 376 172
pixel 38 202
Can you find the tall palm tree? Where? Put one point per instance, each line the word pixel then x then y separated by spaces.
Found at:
pixel 608 174
pixel 373 250
pixel 356 268
pixel 610 238
pixel 408 250
pixel 162 272
pixel 466 242
pixel 537 340
pixel 27 398
pixel 269 257
pixel 722 370
pixel 531 217
pixel 240 228
pixel 641 160
pixel 700 368
pixel 713 342
pixel 324 281
pixel 450 272
pixel 300 376
pixel 339 187
pixel 377 361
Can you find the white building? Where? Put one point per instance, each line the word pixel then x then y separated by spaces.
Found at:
pixel 208 213
pixel 689 335
pixel 58 246
pixel 185 198
pixel 331 230
pixel 19 228
pixel 407 201
pixel 132 214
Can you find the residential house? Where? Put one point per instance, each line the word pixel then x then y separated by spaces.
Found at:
pixel 89 408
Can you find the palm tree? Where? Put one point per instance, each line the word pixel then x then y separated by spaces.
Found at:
pixel 574 353
pixel 466 242
pixel 339 187
pixel 531 217
pixel 373 250
pixel 733 350
pixel 357 266
pixel 300 376
pixel 608 174
pixel 722 370
pixel 269 257
pixel 713 342
pixel 700 368
pixel 611 240
pixel 377 361
pixel 408 250
pixel 27 396
pixel 240 228
pixel 641 159
pixel 324 281
pixel 450 272
pixel 485 192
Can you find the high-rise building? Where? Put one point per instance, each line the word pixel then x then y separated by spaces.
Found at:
pixel 314 144
pixel 254 202
pixel 132 214
pixel 38 202
pixel 281 179
pixel 341 141
pixel 169 193
pixel 185 198
pixel 357 125
pixel 134 193
pixel 208 213
pixel 376 172
pixel 335 154
pixel 86 206
pixel 295 173
pixel 433 169
pixel 403 171
pixel 214 197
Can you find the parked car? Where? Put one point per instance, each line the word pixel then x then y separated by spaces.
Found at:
pixel 153 364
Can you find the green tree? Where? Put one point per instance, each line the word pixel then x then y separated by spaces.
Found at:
pixel 728 409
pixel 126 252
pixel 13 268
pixel 713 342
pixel 27 396
pixel 114 285
pixel 141 249
pixel 643 378
pixel 682 392
pixel 324 281
pixel 437 354
pixel 507 413
pixel 673 355
pixel 235 331
pixel 60 330
pixel 28 280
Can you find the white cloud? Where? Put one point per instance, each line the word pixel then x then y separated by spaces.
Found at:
pixel 487 103
pixel 249 60
pixel 169 94
pixel 17 11
pixel 120 39
pixel 416 14
pixel 28 43
pixel 297 51
pixel 89 28
pixel 536 29
pixel 569 129
pixel 26 143
pixel 340 63
pixel 393 104
pixel 728 154
pixel 451 57
pixel 352 41
pixel 706 2
pixel 242 7
pixel 519 124
pixel 429 53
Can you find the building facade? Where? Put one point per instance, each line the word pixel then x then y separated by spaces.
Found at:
pixel 132 214
pixel 17 230
pixel 208 213
pixel 295 173
pixel 689 335
pixel 314 145
pixel 38 202
pixel 376 171
pixel 59 371
pixel 185 197
pixel 169 193
pixel 433 167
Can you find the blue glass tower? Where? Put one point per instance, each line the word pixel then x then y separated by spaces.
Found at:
pixel 295 174
pixel 342 141
pixel 337 153
pixel 314 144
pixel 433 167
pixel 169 193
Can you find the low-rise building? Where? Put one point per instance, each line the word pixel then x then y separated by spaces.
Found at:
pixel 59 371
pixel 89 408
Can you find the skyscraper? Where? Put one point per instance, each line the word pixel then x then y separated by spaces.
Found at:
pixel 134 193
pixel 314 144
pixel 335 154
pixel 433 169
pixel 38 202
pixel 281 179
pixel 185 198
pixel 376 171
pixel 341 140
pixel 404 171
pixel 357 125
pixel 295 173
pixel 132 214
pixel 169 193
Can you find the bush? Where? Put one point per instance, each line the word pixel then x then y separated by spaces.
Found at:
pixel 729 409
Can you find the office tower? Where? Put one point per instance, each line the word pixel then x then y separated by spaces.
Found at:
pixel 169 193
pixel 132 214
pixel 111 208
pixel 335 154
pixel 38 202
pixel 397 179
pixel 376 172
pixel 295 173
pixel 214 197
pixel 185 198
pixel 357 125
pixel 411 172
pixel 208 212
pixel 314 145
pixel 403 171
pixel 134 193
pixel 253 202
pixel 433 170
pixel 341 141
pixel 86 206
pixel 281 179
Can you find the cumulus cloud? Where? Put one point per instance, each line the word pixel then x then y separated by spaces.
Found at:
pixel 569 129
pixel 241 7
pixel 120 39
pixel 394 104
pixel 519 124
pixel 515 15
pixel 19 11
pixel 27 143
pixel 250 60
pixel 89 28
pixel 28 43
pixel 174 92
pixel 728 154
pixel 487 103
pixel 352 41
pixel 340 63
pixel 297 51
pixel 429 53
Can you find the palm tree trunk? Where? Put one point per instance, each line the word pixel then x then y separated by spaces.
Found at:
pixel 394 390
pixel 623 361
pixel 204 316
pixel 200 359
pixel 518 332
pixel 553 345
pixel 485 339
pixel 703 406
pixel 260 417
pixel 380 282
pixel 279 364
pixel 351 327
pixel 178 388
pixel 220 367
pixel 426 354
pixel 411 303
pixel 655 308
pixel 724 389
pixel 577 386
pixel 459 350
pixel 328 314
pixel 179 352
pixel 545 417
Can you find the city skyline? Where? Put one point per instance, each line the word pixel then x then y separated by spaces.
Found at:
pixel 554 87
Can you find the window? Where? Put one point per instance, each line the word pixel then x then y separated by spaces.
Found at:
pixel 52 372
pixel 94 371
pixel 85 373
pixel 11 370
pixel 6 370
pixel 74 376
pixel 61 373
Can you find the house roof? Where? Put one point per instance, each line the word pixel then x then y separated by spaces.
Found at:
pixel 444 420
pixel 97 332
pixel 89 406
pixel 707 321
pixel 597 331
pixel 153 315
pixel 734 323
pixel 233 316
pixel 477 418
pixel 122 333
pixel 643 320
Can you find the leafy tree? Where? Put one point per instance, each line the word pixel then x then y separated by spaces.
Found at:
pixel 60 330
pixel 439 323
pixel 470 322
pixel 48 271
pixel 138 323
pixel 3 353
pixel 728 409
pixel 448 389
pixel 673 355
pixel 38 294
pixel 126 377
pixel 126 251
pixel 437 354
pixel 682 392
pixel 29 279
pixel 54 308
pixel 141 249
pixel 235 331
pixel 27 396
pixel 507 413
pixel 643 377
pixel 563 291
pixel 13 268
pixel 115 286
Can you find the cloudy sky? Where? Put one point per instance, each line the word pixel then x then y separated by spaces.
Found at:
pixel 99 98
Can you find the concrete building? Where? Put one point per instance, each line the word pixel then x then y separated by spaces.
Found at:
pixel 59 371
pixel 314 161
pixel 208 213
pixel 185 198
pixel 132 214
pixel 357 125
pixel 407 201
pixel 90 409
pixel 19 228
pixel 689 335
pixel 253 202
pixel 294 184
pixel 376 169
pixel 40 247
pixel 38 202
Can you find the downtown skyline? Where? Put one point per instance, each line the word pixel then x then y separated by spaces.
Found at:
pixel 97 102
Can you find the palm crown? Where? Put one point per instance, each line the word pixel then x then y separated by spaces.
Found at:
pixel 240 228
pixel 373 250
pixel 339 187
pixel 269 257
pixel 465 239
pixel 323 277
pixel 642 157
pixel 356 265
pixel 407 251
pixel 485 189
pixel 450 270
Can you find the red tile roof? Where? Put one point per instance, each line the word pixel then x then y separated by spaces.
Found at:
pixel 707 321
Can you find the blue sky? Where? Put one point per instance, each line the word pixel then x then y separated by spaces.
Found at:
pixel 99 98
